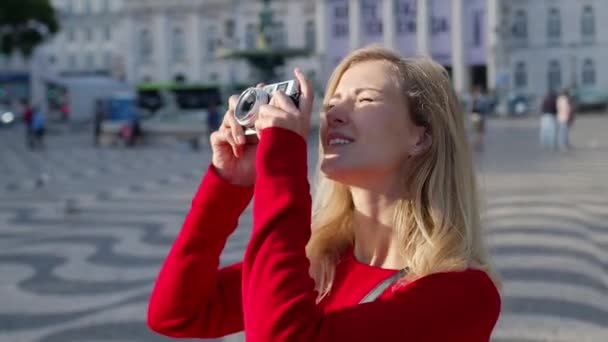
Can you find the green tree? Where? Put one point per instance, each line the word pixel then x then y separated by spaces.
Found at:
pixel 24 24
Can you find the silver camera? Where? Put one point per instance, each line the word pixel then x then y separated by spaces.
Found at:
pixel 249 102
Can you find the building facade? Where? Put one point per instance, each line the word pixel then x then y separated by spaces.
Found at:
pixel 184 39
pixel 521 46
pixel 89 40
pixel 554 44
pixel 453 32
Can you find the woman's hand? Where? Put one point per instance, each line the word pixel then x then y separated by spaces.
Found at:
pixel 282 112
pixel 233 158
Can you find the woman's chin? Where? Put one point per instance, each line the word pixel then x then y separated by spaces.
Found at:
pixel 331 169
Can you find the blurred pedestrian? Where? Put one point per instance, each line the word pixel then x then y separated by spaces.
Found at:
pixel 564 119
pixel 38 127
pixel 27 122
pixel 478 111
pixel 98 119
pixel 213 117
pixel 548 120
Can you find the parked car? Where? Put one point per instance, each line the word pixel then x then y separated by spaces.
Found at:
pixel 590 99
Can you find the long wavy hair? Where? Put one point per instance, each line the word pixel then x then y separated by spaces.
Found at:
pixel 437 220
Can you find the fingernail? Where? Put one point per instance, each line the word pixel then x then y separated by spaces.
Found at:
pixel 298 71
pixel 239 139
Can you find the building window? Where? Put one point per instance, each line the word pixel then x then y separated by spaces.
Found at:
pixel 340 22
pixel 108 33
pixel 250 36
pixel 178 47
pixel 229 28
pixel 554 26
pixel 439 25
pixel 405 12
pixel 90 62
pixel 554 75
pixel 278 36
pixel 588 24
pixel 72 62
pixel 212 42
pixel 89 34
pixel 105 5
pixel 519 30
pixel 311 35
pixel 145 47
pixel 588 73
pixel 372 25
pixel 107 60
pixel 521 77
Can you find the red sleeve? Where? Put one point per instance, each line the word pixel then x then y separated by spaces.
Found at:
pixel 278 293
pixel 191 297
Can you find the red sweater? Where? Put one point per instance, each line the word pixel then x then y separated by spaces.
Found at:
pixel 270 294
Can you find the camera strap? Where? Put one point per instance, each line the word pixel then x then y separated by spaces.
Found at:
pixel 377 291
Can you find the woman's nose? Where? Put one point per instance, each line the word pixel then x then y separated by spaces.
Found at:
pixel 337 115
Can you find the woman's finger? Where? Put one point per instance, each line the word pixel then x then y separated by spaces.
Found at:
pixel 232 100
pixel 306 92
pixel 235 128
pixel 228 137
pixel 284 102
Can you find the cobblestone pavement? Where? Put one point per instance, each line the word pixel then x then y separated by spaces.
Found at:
pixel 83 232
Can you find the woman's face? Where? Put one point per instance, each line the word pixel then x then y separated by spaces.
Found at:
pixel 366 130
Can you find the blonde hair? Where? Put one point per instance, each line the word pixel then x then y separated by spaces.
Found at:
pixel 437 223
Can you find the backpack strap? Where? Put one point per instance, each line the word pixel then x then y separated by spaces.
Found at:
pixel 377 291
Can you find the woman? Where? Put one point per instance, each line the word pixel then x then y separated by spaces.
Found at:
pixel 396 200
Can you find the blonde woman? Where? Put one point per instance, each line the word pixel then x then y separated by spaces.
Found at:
pixel 395 250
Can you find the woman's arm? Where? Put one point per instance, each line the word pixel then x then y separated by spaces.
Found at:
pixel 278 293
pixel 191 297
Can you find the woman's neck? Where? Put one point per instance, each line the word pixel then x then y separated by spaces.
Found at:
pixel 376 241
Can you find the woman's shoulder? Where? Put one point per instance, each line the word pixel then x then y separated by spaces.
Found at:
pixel 467 277
pixel 460 285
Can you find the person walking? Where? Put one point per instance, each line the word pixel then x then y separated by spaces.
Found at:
pixel 564 118
pixel 38 127
pixel 548 121
pixel 28 115
pixel 392 248
pixel 98 117
pixel 478 111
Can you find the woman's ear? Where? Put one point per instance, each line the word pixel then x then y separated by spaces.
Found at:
pixel 423 144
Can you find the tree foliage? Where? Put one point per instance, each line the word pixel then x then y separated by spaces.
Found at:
pixel 24 24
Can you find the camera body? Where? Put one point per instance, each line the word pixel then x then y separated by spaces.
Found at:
pixel 249 102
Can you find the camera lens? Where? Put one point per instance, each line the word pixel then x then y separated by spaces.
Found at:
pixel 247 105
pixel 248 102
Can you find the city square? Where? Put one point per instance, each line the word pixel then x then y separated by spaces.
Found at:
pixel 85 230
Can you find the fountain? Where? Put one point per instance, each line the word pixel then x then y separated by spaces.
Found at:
pixel 265 58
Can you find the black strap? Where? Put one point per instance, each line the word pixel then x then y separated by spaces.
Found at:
pixel 377 291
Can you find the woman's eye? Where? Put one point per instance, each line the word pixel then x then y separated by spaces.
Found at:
pixel 366 99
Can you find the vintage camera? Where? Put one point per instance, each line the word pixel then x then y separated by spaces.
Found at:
pixel 250 100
